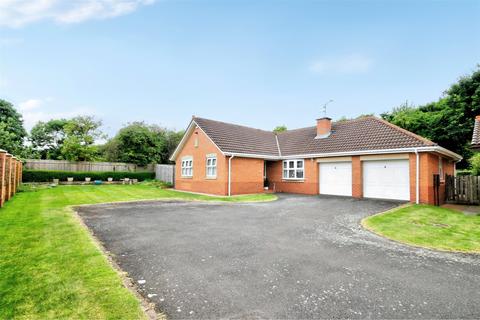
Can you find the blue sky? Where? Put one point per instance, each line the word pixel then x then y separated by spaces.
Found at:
pixel 257 63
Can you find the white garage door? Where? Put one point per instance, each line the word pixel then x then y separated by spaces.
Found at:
pixel 386 179
pixel 336 178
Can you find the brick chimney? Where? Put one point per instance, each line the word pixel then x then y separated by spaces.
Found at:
pixel 324 127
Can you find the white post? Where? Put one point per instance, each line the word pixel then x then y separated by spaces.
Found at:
pixel 417 178
pixel 230 175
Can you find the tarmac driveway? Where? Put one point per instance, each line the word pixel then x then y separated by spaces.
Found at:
pixel 299 257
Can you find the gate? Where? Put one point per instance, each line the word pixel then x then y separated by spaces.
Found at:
pixel 462 189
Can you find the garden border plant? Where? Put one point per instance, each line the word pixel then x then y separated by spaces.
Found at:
pixel 49 175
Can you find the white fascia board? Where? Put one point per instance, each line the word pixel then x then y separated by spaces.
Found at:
pixel 191 127
pixel 250 155
pixel 351 153
pixel 187 134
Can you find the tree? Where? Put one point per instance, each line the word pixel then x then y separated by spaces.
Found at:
pixel 279 129
pixel 80 136
pixel 12 132
pixel 448 121
pixel 142 144
pixel 47 138
pixel 137 143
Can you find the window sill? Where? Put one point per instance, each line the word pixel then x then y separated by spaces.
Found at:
pixel 184 177
pixel 211 178
pixel 293 180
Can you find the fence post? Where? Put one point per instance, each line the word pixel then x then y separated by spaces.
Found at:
pixel 8 179
pixel 13 176
pixel 3 155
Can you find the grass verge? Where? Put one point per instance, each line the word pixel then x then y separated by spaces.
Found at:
pixel 49 265
pixel 428 227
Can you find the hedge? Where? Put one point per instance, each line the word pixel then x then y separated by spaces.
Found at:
pixel 48 175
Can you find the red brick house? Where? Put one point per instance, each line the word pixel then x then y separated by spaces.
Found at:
pixel 366 157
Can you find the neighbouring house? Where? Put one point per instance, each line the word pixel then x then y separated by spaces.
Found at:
pixel 366 157
pixel 476 135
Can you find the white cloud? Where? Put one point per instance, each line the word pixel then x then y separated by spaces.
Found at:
pixel 348 64
pixel 34 110
pixel 30 104
pixel 17 13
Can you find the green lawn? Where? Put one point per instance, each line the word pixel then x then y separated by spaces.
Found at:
pixel 429 227
pixel 49 265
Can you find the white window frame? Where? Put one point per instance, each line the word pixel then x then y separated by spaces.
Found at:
pixel 211 165
pixel 187 167
pixel 293 166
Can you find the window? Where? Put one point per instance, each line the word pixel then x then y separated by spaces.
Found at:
pixel 440 168
pixel 293 169
pixel 187 167
pixel 211 167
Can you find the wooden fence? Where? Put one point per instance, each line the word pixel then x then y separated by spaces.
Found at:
pixel 462 189
pixel 165 172
pixel 85 166
pixel 10 176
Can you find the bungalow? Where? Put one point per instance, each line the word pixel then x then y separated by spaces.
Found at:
pixel 367 157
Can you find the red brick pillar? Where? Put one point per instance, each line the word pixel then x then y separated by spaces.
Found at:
pixel 357 181
pixel 3 155
pixel 13 176
pixel 20 172
pixel 8 177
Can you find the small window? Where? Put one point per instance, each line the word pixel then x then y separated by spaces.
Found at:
pixel 211 167
pixel 187 167
pixel 440 168
pixel 293 169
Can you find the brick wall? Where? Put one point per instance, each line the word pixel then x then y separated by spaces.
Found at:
pixel 10 176
pixel 307 186
pixel 198 146
pixel 428 167
pixel 247 176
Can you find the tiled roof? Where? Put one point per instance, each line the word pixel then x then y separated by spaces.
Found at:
pixel 476 133
pixel 239 139
pixel 368 133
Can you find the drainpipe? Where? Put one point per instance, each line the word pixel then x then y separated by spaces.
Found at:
pixel 417 177
pixel 230 175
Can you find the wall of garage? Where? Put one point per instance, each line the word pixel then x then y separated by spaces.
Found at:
pixel 429 165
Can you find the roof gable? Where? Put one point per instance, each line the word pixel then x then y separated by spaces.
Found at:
pixel 232 138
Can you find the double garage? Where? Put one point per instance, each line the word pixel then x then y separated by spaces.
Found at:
pixel 381 178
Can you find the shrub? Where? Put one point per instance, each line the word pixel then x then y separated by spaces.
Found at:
pixel 158 184
pixel 475 164
pixel 464 172
pixel 48 176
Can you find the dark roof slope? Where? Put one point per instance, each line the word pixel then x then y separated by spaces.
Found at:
pixel 239 139
pixel 476 134
pixel 368 133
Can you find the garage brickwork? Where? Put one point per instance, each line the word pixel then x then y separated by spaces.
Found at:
pixel 429 165
pixel 357 183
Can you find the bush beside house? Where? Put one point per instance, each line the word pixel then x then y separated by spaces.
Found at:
pixel 48 176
